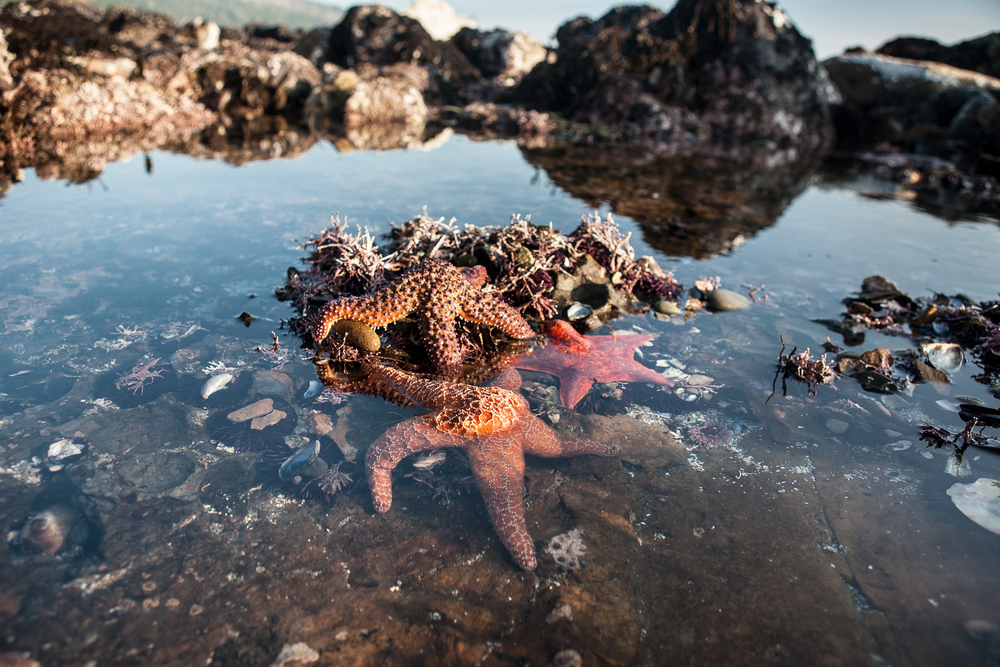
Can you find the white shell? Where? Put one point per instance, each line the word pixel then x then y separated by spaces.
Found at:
pixel 980 501
pixel 578 311
pixel 215 383
pixel 944 356
pixel 315 386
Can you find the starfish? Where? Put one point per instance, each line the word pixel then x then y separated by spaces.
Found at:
pixel 495 429
pixel 439 293
pixel 580 361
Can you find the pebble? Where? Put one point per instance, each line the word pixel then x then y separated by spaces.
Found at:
pixel 698 380
pixel 252 411
pixel 836 425
pixel 665 307
pixel 724 299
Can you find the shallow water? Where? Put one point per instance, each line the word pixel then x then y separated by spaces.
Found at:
pixel 785 543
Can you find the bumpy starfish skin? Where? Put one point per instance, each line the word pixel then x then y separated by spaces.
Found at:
pixel 580 361
pixel 439 293
pixel 495 429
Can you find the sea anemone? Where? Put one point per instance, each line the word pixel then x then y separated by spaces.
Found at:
pixel 710 434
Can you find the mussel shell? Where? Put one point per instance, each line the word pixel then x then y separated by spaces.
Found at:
pixel 944 356
pixel 985 416
pixel 294 464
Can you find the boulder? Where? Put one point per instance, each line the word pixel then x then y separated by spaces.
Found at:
pixel 731 74
pixel 139 28
pixel 378 36
pixel 239 79
pixel 870 80
pixel 981 54
pixel 916 105
pixel 499 54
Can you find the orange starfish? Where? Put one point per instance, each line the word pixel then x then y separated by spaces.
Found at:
pixel 580 361
pixel 439 293
pixel 495 429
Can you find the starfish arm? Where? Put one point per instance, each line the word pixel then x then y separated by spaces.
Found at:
pixel 539 439
pixel 405 438
pixel 636 373
pixel 487 309
pixel 377 310
pixel 499 472
pixel 509 380
pixel 573 388
pixel 437 328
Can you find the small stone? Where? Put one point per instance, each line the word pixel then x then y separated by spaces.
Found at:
pixel 698 380
pixel 724 299
pixel 836 425
pixel 270 419
pixel 665 307
pixel 252 411
pixel 320 423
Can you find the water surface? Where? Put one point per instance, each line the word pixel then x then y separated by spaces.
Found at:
pixel 784 542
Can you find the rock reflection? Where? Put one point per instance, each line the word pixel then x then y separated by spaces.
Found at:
pixel 687 205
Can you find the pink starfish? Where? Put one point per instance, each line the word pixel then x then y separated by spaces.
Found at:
pixel 580 361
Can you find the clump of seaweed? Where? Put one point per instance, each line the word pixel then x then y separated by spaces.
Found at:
pixel 937 437
pixel 141 375
pixel 803 367
pixel 522 261
pixel 327 485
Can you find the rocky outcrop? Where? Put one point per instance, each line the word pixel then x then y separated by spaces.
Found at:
pixel 500 55
pixel 376 35
pixel 732 75
pixel 917 106
pixel 84 87
pixel 978 55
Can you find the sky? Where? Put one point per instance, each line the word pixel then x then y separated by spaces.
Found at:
pixel 833 25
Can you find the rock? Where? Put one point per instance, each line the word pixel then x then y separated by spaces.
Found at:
pixel 139 28
pixel 438 18
pixel 981 54
pixel 916 105
pixel 379 36
pixel 724 299
pixel 387 110
pixel 207 34
pixel 271 383
pixel 6 81
pixel 837 425
pixel 240 78
pixel 678 78
pixel 868 80
pixel 499 54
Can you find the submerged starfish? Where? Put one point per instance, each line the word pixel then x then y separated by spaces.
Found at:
pixel 580 361
pixel 439 293
pixel 495 429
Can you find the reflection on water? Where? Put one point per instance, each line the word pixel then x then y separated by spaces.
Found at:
pixel 730 530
